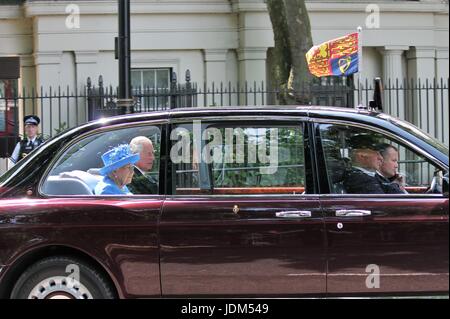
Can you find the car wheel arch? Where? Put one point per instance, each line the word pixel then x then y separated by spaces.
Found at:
pixel 29 258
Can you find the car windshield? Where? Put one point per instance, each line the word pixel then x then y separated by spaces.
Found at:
pixel 417 132
pixel 10 172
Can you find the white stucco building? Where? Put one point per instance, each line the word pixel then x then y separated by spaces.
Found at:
pixel 217 40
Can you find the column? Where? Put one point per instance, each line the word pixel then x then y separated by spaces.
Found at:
pixel 394 101
pixel 442 95
pixel 26 84
pixel 252 72
pixel 255 37
pixel 421 65
pixel 47 82
pixel 215 71
pixel 421 68
pixel 86 66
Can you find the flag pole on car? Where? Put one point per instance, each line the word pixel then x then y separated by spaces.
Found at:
pixel 360 57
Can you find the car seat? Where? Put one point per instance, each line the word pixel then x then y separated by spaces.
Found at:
pixel 337 169
pixel 71 183
pixel 55 185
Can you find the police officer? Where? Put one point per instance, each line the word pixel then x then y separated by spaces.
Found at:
pixel 30 142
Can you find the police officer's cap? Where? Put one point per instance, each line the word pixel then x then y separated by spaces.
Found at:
pixel 31 119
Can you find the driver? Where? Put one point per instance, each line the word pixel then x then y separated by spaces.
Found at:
pixel 366 161
pixel 391 181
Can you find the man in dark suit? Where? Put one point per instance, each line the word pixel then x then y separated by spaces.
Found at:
pixel 143 183
pixel 387 175
pixel 366 161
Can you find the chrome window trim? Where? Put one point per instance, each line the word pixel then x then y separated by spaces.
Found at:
pixel 234 118
pixel 235 196
pixel 338 196
pixel 382 196
pixel 149 196
pixel 86 135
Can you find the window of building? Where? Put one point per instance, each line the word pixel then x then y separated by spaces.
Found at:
pixel 151 88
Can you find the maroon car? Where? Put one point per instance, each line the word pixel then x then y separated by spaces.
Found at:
pixel 232 202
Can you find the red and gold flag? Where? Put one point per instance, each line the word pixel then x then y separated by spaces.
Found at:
pixel 334 57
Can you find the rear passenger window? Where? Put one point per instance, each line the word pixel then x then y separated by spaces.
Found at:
pixel 238 159
pixel 80 169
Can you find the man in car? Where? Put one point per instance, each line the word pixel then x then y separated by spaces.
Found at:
pixel 30 141
pixel 366 161
pixel 391 181
pixel 143 182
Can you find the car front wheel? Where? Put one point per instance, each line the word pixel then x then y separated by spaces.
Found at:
pixel 62 278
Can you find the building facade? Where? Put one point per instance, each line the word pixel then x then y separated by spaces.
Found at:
pixel 62 43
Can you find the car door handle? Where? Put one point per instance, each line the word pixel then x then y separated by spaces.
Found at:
pixel 352 212
pixel 294 214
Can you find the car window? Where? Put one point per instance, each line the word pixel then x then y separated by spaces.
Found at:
pixel 80 169
pixel 417 132
pixel 238 159
pixel 361 161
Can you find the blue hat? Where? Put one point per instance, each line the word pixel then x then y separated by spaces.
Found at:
pixel 116 158
pixel 31 119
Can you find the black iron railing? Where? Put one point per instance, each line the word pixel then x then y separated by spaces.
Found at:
pixel 424 103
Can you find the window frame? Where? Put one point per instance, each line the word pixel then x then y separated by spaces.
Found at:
pixel 7 105
pixel 321 165
pixel 142 88
pixel 310 174
pixel 101 130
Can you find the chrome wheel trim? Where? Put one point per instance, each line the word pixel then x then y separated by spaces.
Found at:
pixel 60 287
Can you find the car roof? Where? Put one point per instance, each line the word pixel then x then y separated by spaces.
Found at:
pixel 311 111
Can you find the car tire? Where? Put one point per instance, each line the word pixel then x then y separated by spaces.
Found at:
pixel 62 278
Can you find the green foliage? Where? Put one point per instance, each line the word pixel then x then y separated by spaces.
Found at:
pixel 62 127
pixel 289 170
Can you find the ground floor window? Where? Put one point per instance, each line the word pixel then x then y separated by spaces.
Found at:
pixel 151 88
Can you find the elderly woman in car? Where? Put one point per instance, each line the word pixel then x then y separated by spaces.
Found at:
pixel 118 171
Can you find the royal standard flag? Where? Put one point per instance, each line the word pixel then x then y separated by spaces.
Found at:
pixel 334 57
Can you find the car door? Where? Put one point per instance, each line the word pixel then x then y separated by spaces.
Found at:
pixel 229 229
pixel 381 243
pixel 121 230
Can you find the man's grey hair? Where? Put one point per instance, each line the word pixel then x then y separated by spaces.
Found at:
pixel 137 143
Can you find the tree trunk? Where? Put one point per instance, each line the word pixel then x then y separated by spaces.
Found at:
pixel 292 35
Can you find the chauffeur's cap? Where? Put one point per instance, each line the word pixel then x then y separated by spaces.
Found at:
pixel 365 141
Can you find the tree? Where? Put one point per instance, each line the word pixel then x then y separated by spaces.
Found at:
pixel 292 35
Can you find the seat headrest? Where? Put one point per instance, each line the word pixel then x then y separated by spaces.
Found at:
pixel 87 178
